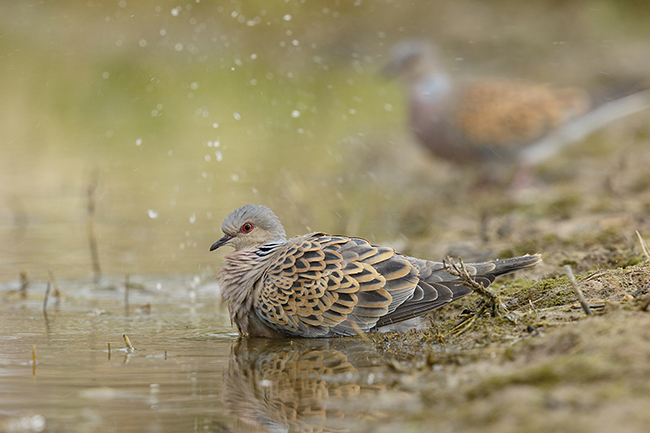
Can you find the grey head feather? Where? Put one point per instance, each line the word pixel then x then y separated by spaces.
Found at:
pixel 268 227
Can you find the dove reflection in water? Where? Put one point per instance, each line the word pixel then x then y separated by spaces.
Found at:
pixel 317 385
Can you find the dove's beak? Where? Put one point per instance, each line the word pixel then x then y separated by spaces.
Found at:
pixel 221 242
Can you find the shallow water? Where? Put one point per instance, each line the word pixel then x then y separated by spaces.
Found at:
pixel 188 372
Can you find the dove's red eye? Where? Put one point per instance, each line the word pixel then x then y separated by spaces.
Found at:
pixel 246 228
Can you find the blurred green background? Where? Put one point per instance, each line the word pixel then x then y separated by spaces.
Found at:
pixel 183 111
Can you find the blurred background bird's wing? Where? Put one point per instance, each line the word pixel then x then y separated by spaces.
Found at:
pixel 504 115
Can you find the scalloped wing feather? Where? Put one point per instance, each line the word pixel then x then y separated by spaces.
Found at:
pixel 321 284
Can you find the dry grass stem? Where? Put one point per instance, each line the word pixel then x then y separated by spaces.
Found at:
pixel 576 289
pixel 644 246
pixel 129 346
pixel 24 283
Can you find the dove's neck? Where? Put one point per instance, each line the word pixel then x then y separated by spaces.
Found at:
pixel 242 269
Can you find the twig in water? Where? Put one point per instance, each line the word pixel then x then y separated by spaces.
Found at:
pixel 34 360
pixel 47 295
pixel 581 297
pixel 460 270
pixel 644 247
pixel 92 239
pixel 24 283
pixel 109 350
pixel 129 346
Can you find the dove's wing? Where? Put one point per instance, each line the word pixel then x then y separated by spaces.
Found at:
pixel 322 285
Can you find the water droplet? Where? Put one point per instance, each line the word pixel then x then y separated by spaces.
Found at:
pixel 388 107
pixel 158 286
pixel 152 214
pixel 295 43
pixel 287 17
pixel 138 142
pixel 234 177
pixel 193 219
pixel 142 43
pixel 106 75
pixel 218 156
pixel 295 114
pixel 236 115
pixel 207 157
pixel 178 47
pixel 176 11
pixel 163 32
pixel 215 125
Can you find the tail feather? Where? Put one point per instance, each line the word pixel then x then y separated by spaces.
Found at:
pixel 439 287
pixel 506 266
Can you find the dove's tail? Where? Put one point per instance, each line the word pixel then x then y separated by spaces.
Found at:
pixel 506 266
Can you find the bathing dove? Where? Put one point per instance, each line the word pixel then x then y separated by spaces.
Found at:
pixel 320 285
pixel 496 121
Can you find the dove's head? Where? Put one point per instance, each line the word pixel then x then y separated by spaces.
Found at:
pixel 412 60
pixel 250 226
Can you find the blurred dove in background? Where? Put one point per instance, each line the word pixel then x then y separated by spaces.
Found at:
pixel 319 285
pixel 496 122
